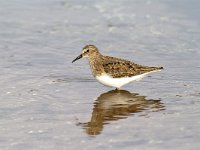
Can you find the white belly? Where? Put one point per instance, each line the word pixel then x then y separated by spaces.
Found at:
pixel 118 82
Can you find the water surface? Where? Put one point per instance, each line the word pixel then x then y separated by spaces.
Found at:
pixel 47 102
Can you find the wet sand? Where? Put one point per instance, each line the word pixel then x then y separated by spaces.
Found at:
pixel 47 102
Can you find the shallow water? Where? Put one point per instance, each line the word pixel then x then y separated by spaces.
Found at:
pixel 47 102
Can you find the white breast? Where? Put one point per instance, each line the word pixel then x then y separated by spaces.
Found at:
pixel 118 82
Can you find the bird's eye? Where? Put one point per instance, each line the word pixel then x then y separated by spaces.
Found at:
pixel 87 50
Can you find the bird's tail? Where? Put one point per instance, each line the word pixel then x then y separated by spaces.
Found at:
pixel 157 68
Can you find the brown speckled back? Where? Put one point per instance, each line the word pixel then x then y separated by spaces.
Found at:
pixel 117 67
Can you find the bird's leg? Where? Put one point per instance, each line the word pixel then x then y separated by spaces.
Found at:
pixel 117 89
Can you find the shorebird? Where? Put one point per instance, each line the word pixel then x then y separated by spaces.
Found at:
pixel 112 71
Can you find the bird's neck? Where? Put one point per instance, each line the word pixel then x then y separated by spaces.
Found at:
pixel 96 65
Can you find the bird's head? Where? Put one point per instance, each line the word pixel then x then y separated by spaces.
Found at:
pixel 88 51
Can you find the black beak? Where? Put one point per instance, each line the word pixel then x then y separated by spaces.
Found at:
pixel 77 58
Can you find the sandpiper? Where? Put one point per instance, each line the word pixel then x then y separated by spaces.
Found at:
pixel 112 71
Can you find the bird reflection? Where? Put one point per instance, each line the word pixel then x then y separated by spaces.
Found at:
pixel 115 105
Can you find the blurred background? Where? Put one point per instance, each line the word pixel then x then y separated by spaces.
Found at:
pixel 46 102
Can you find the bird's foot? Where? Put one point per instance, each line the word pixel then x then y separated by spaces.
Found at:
pixel 117 89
